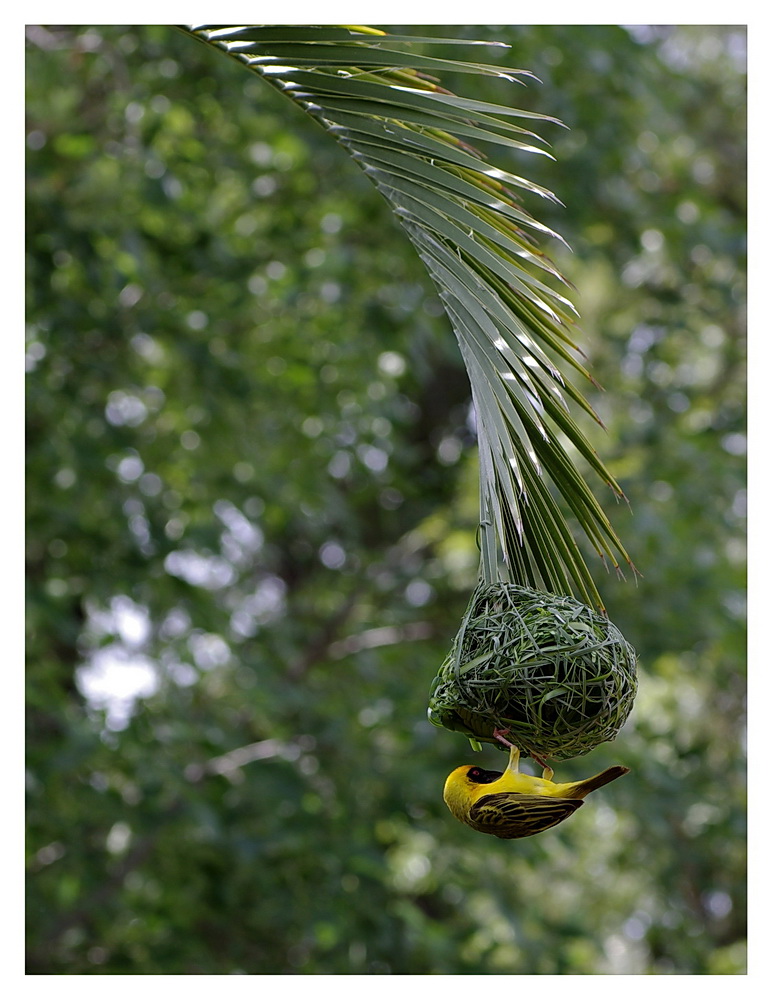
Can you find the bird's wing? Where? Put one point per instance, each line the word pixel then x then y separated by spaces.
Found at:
pixel 510 815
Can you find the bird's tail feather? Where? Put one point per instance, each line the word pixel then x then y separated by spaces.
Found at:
pixel 582 788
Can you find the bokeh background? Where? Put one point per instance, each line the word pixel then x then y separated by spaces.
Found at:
pixel 252 500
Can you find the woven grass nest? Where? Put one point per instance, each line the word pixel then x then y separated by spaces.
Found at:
pixel 560 677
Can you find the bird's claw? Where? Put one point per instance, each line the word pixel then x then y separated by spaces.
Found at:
pixel 501 736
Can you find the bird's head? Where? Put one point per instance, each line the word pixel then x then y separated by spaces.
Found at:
pixel 464 784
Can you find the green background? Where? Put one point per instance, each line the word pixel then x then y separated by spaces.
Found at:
pixel 252 501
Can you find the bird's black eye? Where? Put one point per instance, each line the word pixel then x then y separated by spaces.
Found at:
pixel 482 777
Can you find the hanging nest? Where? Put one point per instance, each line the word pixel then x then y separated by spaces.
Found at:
pixel 558 676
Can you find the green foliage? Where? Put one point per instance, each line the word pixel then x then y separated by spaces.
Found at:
pixel 252 502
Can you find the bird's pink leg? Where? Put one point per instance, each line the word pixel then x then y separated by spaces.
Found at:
pixel 501 736
pixel 514 753
pixel 547 772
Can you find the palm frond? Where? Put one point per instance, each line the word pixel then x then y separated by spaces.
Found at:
pixel 508 304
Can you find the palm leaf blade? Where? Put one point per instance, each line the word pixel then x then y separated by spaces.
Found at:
pixel 410 136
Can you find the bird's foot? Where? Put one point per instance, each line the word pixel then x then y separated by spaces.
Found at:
pixel 514 753
pixel 547 772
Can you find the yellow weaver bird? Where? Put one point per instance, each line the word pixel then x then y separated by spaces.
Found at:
pixel 511 805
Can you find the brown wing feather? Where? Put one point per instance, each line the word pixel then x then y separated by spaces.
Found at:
pixel 510 815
